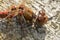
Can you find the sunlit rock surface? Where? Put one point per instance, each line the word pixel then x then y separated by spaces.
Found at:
pixel 50 31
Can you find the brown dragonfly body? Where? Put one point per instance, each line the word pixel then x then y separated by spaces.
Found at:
pixel 26 12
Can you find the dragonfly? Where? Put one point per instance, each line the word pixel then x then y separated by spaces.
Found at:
pixel 26 12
